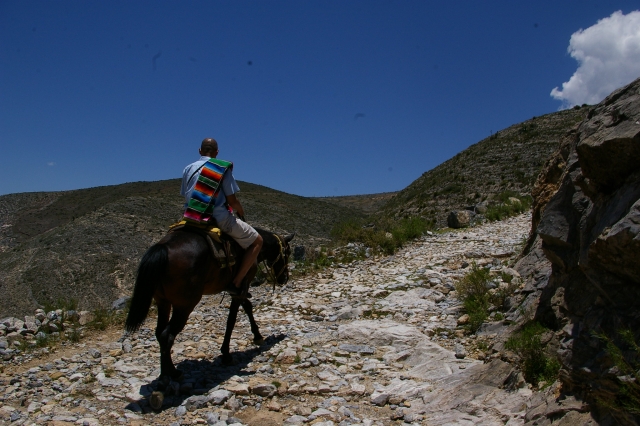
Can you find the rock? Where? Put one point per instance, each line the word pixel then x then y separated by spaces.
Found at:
pixel 348 313
pixel 460 351
pixel 120 303
pixel 85 317
pixel 196 402
pixel 71 316
pixel 298 253
pixel 514 201
pixel 233 404
pixel 295 420
pixel 357 389
pixel 30 325
pixel 397 414
pixel 380 398
pixel 459 219
pixel 321 413
pixel 379 333
pixel 480 208
pixel 14 337
pixel 264 389
pixel 220 396
pixel 238 388
pixel 361 349
pixel 464 319
pixel 274 406
pixel 212 418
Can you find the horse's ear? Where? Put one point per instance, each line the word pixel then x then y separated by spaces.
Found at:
pixel 289 237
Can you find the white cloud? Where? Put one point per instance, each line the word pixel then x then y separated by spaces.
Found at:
pixel 51 163
pixel 608 55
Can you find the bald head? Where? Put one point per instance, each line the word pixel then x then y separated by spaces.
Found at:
pixel 209 148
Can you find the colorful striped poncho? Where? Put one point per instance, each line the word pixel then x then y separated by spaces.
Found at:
pixel 201 203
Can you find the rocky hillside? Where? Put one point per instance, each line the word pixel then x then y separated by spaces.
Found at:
pixel 369 203
pixel 509 160
pixel 583 263
pixel 85 244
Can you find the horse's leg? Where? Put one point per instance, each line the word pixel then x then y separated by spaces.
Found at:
pixel 248 308
pixel 166 337
pixel 164 311
pixel 231 322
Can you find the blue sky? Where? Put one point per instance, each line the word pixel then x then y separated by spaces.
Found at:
pixel 311 98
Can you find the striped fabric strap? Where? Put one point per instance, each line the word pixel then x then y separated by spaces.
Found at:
pixel 207 187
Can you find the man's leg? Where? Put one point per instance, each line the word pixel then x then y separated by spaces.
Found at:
pixel 249 258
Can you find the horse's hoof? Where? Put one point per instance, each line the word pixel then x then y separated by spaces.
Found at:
pixel 156 399
pixel 164 381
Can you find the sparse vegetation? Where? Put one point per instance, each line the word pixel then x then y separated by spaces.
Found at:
pixel 105 318
pixel 508 204
pixel 508 160
pixel 473 291
pixel 624 353
pixel 384 236
pixel 479 294
pixel 62 304
pixel 537 366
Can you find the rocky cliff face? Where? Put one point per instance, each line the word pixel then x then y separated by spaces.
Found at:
pixel 586 222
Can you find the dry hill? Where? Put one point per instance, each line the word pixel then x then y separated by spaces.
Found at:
pixel 86 244
pixel 509 160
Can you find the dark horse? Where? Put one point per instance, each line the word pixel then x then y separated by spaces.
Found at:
pixel 179 270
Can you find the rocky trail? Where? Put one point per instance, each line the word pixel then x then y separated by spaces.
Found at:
pixel 375 342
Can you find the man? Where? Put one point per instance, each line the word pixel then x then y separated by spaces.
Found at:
pixel 247 237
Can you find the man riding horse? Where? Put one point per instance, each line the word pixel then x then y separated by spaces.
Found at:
pixel 226 202
pixel 181 268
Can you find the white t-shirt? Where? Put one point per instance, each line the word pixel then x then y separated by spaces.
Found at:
pixel 229 187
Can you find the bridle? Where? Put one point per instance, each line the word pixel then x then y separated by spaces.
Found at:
pixel 271 272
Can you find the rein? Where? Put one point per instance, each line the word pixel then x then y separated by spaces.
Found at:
pixel 270 269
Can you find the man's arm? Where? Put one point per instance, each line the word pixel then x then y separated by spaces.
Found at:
pixel 235 205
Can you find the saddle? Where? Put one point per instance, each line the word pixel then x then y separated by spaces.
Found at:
pixel 219 244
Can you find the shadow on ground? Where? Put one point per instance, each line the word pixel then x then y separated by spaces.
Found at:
pixel 201 376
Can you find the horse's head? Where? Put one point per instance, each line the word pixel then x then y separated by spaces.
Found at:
pixel 280 265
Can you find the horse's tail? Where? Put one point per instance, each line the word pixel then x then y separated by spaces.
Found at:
pixel 152 266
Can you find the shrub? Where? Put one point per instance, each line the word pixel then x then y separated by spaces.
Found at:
pixel 473 291
pixel 64 305
pixel 536 365
pixel 624 354
pixel 506 207
pixel 104 318
pixel 477 297
pixel 385 235
pixel 474 284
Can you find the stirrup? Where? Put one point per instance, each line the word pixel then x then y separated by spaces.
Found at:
pixel 240 293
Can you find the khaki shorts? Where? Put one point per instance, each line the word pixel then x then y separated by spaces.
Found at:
pixel 242 232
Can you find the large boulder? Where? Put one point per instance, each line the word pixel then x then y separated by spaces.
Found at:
pixel 459 219
pixel 586 224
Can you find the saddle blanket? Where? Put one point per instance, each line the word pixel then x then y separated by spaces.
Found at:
pixel 200 205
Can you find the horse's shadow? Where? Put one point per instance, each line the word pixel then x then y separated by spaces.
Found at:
pixel 211 374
